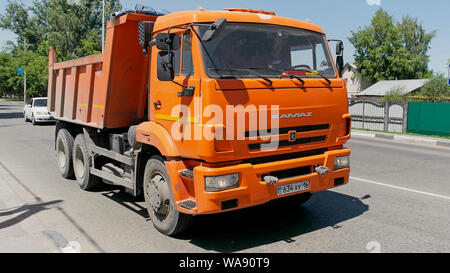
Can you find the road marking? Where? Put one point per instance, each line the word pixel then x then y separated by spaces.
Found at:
pixel 400 188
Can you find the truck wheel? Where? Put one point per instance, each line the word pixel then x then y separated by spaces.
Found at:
pixel 64 147
pixel 159 199
pixel 81 165
pixel 26 119
pixel 33 120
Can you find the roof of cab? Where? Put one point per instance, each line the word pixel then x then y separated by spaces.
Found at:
pixel 199 16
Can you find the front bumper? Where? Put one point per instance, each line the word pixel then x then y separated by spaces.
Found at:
pixel 253 190
pixel 44 118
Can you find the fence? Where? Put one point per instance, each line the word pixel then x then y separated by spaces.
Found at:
pixel 429 118
pixel 373 116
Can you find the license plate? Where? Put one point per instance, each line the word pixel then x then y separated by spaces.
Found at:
pixel 294 187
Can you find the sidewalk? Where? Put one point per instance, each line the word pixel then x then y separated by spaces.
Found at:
pixel 20 228
pixel 403 138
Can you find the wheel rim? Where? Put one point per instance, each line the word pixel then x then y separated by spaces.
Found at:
pixel 79 162
pixel 61 154
pixel 157 194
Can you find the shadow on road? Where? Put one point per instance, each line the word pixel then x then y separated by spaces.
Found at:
pixel 118 195
pixel 252 227
pixel 26 210
pixel 45 123
pixel 261 225
pixel 11 115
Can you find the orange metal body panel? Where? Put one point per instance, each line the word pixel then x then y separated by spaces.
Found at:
pixel 109 91
pixel 105 90
pixel 327 102
pixel 252 190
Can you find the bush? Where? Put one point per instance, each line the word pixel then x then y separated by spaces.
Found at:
pixel 435 90
pixel 394 95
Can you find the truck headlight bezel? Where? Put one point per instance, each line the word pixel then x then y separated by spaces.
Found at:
pixel 221 182
pixel 341 162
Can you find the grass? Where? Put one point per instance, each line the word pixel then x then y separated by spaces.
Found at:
pixel 409 134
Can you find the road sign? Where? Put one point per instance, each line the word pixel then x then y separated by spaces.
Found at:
pixel 20 70
pixel 448 78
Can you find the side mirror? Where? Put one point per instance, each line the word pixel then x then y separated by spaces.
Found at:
pixel 339 48
pixel 214 29
pixel 339 56
pixel 165 65
pixel 340 64
pixel 164 41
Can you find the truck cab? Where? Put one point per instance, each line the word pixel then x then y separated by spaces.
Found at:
pixel 225 110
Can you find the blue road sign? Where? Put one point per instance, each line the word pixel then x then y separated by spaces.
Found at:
pixel 448 78
pixel 20 70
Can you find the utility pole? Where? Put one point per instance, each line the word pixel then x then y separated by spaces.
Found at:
pixel 25 76
pixel 103 26
pixel 24 86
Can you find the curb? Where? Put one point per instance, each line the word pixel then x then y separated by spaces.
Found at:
pixel 403 138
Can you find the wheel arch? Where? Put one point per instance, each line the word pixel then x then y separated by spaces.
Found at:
pixel 147 151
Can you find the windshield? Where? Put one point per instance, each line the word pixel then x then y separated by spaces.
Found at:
pixel 268 49
pixel 40 103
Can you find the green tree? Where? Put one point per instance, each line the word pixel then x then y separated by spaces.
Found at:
pixel 436 89
pixel 6 72
pixel 386 50
pixel 74 28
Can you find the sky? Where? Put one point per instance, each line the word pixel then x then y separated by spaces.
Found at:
pixel 336 17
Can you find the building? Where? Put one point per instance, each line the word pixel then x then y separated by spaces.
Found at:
pixel 381 88
pixel 353 80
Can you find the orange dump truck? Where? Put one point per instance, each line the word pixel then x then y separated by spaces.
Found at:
pixel 204 112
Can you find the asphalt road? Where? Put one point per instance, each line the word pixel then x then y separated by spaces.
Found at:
pixel 398 200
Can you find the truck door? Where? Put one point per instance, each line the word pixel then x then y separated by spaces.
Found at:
pixel 167 98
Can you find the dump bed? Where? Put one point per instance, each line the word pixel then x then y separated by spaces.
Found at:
pixel 105 90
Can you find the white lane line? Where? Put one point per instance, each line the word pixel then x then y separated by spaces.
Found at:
pixel 400 188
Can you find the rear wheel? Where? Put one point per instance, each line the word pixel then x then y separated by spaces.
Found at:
pixel 81 164
pixel 159 199
pixel 64 147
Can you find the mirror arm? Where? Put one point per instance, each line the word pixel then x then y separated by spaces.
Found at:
pixel 188 91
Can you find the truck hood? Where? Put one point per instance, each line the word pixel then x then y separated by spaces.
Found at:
pixel 316 113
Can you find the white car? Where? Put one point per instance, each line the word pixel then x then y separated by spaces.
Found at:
pixel 37 111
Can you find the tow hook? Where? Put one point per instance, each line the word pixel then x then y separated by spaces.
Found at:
pixel 270 179
pixel 321 170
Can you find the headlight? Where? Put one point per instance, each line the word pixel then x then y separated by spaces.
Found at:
pixel 341 162
pixel 221 183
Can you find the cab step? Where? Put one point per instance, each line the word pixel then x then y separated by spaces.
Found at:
pixel 189 173
pixel 187 204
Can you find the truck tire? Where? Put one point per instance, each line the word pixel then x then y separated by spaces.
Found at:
pixel 33 121
pixel 159 199
pixel 81 164
pixel 63 148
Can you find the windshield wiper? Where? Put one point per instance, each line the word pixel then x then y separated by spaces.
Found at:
pixel 248 70
pixel 311 71
pixel 291 75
